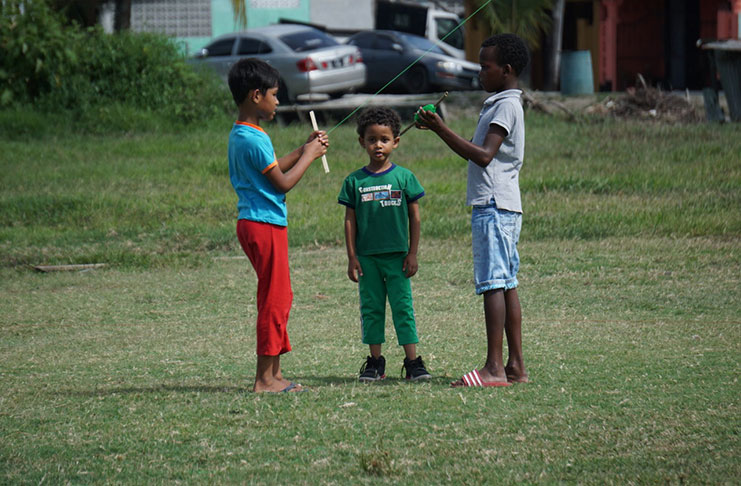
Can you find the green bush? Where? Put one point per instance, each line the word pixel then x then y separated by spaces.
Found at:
pixel 58 67
pixel 38 51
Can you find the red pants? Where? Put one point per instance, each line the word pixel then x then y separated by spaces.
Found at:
pixel 266 245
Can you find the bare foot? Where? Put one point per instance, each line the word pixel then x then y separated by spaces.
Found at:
pixel 276 387
pixel 489 378
pixel 516 374
pixel 273 387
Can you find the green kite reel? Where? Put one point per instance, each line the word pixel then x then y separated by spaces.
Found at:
pixel 429 107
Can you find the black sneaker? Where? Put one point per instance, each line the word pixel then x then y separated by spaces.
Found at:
pixel 374 369
pixel 415 369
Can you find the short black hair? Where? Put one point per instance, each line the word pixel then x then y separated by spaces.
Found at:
pixel 511 49
pixel 379 115
pixel 248 74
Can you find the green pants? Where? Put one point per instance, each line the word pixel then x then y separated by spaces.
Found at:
pixel 383 276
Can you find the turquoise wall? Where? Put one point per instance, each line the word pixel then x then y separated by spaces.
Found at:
pixel 266 16
pixel 222 21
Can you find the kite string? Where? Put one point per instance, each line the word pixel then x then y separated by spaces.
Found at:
pixel 407 68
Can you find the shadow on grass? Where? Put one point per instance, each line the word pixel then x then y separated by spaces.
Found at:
pixel 310 382
pixel 336 381
pixel 99 392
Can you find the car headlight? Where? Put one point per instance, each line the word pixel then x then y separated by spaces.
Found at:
pixel 450 66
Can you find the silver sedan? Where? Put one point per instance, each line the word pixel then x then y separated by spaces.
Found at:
pixel 309 61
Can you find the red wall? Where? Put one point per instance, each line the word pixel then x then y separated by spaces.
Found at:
pixel 709 17
pixel 640 40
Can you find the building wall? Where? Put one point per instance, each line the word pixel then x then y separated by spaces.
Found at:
pixel 194 23
pixel 709 17
pixel 640 42
pixel 657 39
pixel 266 12
pixel 347 14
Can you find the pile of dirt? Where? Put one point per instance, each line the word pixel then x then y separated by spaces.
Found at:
pixel 648 103
pixel 642 102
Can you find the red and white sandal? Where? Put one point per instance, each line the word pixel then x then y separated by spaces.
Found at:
pixel 473 379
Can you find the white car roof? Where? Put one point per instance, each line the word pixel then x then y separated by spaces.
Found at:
pixel 279 29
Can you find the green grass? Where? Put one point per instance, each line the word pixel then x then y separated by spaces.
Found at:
pixel 139 373
pixel 159 198
pixel 142 376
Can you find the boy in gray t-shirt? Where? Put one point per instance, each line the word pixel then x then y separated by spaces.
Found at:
pixel 495 156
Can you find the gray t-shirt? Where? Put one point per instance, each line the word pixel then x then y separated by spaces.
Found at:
pixel 500 179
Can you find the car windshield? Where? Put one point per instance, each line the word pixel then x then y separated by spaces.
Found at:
pixel 444 27
pixel 308 40
pixel 420 43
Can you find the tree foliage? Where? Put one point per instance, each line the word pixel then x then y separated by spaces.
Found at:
pixel 57 66
pixel 38 51
pixel 526 18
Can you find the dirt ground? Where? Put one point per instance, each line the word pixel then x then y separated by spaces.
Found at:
pixel 643 103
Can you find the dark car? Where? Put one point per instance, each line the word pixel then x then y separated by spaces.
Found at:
pixel 386 53
pixel 309 61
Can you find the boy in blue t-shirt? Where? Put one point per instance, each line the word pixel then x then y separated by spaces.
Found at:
pixel 495 156
pixel 261 180
pixel 382 235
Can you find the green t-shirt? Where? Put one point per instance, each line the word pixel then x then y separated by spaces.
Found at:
pixel 380 203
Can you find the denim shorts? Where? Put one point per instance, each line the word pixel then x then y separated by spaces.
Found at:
pixel 495 233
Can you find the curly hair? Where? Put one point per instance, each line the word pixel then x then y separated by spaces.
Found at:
pixel 511 50
pixel 379 115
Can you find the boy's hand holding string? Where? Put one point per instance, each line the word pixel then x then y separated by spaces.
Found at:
pixel 323 139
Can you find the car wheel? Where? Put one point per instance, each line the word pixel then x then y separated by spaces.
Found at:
pixel 416 80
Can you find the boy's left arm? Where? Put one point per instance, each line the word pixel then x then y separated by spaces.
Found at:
pixel 410 262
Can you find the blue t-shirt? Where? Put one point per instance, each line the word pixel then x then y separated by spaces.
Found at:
pixel 251 155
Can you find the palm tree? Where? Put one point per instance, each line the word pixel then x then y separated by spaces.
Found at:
pixel 526 18
pixel 240 12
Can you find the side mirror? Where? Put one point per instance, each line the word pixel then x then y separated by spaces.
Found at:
pixel 202 53
pixel 397 47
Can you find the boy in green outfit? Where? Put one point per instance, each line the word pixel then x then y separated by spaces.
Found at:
pixel 382 235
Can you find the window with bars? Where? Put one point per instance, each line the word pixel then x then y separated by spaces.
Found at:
pixel 177 18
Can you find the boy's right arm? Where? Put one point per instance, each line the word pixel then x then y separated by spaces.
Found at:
pixel 480 155
pixel 289 160
pixel 351 230
pixel 285 181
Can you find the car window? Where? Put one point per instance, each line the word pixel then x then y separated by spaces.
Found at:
pixel 308 40
pixel 421 43
pixel 383 43
pixel 249 46
pixel 364 41
pixel 444 27
pixel 221 47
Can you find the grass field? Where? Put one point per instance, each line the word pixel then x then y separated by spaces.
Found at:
pixel 139 373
